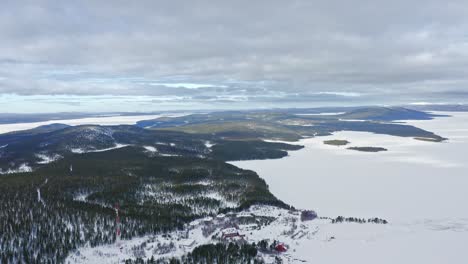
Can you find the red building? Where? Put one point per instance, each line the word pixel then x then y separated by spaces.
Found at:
pixel 281 248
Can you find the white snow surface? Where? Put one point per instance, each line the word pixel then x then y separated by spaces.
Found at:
pixel 151 148
pixel 21 168
pixel 209 144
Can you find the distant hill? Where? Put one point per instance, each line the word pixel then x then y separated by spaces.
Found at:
pixel 386 114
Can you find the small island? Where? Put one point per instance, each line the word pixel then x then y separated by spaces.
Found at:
pixel 336 142
pixel 368 149
pixel 429 139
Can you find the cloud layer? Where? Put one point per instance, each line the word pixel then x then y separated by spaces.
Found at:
pixel 254 50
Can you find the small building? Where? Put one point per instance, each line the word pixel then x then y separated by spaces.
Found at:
pixel 187 244
pixel 221 216
pixel 244 214
pixel 308 215
pixel 230 233
pixel 207 220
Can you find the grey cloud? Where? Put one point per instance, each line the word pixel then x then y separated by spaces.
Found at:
pixel 247 49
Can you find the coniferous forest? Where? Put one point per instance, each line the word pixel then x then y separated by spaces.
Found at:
pixel 48 213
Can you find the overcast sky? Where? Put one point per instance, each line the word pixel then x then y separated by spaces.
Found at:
pixel 153 55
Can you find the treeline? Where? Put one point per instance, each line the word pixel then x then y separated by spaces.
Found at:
pixel 251 149
pixel 211 253
pixel 375 220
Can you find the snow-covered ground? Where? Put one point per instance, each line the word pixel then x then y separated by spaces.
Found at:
pixel 150 149
pixel 102 120
pixel 419 186
pixel 21 168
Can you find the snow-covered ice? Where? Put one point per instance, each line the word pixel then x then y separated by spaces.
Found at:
pixel 412 180
pixel 419 186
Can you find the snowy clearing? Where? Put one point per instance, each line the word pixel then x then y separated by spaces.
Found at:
pixel 45 159
pixel 22 168
pixel 150 148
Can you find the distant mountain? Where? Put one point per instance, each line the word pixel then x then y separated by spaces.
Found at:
pixel 37 147
pixel 440 107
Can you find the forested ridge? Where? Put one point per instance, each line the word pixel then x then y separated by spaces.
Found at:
pixel 76 208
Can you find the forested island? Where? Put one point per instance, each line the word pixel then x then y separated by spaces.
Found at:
pixel 368 149
pixel 336 142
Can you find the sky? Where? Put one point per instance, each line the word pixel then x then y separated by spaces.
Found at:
pixel 60 56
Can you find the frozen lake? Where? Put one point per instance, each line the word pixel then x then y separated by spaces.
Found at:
pixel 420 187
pixel 412 181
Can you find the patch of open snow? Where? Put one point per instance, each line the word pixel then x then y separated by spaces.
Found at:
pixel 78 150
pixel 22 168
pixel 117 146
pixel 81 151
pixel 168 155
pixel 45 159
pixel 150 148
pixel 204 182
pixel 82 196
pixel 208 144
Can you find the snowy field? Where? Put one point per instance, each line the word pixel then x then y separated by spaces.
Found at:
pixel 419 186
pixel 102 120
